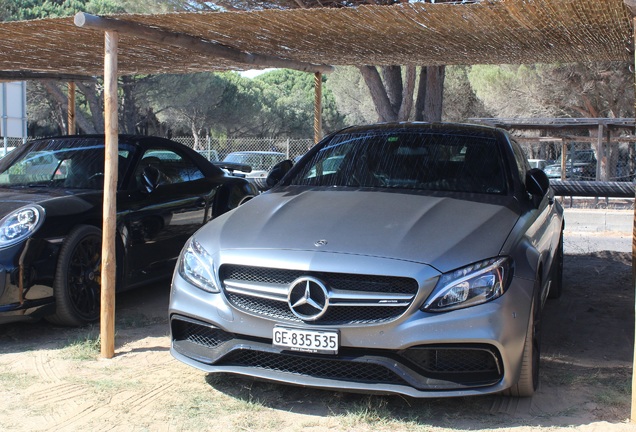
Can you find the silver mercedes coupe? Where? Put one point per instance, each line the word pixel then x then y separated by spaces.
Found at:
pixel 407 258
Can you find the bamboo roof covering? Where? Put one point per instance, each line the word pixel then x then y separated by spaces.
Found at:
pixel 486 32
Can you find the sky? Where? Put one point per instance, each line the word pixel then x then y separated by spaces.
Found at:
pixel 254 72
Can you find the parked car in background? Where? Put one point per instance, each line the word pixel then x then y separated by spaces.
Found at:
pixel 259 161
pixel 538 163
pixel 395 258
pixel 211 155
pixel 4 152
pixel 51 195
pixel 581 165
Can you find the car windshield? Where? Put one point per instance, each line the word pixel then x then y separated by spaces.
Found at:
pixel 62 162
pixel 407 160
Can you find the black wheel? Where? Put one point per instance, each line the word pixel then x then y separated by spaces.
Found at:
pixel 529 376
pixel 556 284
pixel 77 284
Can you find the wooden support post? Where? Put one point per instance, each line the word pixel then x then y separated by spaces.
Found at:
pixel 601 160
pixel 107 322
pixel 71 109
pixel 564 156
pixel 633 415
pixel 317 107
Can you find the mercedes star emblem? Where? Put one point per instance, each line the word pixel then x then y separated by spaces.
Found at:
pixel 308 298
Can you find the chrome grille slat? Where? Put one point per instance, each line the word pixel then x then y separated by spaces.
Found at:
pixel 257 289
pixel 353 298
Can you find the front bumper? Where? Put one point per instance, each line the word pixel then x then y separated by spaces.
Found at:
pixel 470 351
pixel 26 275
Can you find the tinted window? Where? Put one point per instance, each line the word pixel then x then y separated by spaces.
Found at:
pixel 173 167
pixel 521 160
pixel 70 163
pixel 407 160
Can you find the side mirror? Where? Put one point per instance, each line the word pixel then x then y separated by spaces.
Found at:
pixel 277 173
pixel 537 183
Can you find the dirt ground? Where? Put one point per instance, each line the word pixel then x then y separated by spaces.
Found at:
pixel 52 379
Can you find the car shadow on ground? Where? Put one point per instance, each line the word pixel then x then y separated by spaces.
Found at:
pixel 139 313
pixel 587 349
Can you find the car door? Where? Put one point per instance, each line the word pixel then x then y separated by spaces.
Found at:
pixel 161 220
pixel 542 220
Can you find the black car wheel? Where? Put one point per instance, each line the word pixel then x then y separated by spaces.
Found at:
pixel 556 284
pixel 78 278
pixel 529 376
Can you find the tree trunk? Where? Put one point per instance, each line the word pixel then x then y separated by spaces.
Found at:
pixel 61 99
pixel 407 94
pixel 128 122
pixel 392 78
pixel 378 93
pixel 195 134
pixel 393 95
pixel 96 104
pixel 430 97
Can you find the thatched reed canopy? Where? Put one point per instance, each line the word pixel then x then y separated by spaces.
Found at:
pixel 487 32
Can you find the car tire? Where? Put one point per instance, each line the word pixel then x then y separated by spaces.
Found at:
pixel 528 380
pixel 77 283
pixel 556 283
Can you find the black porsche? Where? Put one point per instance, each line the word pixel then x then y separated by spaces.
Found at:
pixel 51 194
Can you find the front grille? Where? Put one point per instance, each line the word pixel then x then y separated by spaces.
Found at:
pixel 334 316
pixel 205 336
pixel 314 367
pixel 434 367
pixel 473 362
pixel 276 307
pixel 342 281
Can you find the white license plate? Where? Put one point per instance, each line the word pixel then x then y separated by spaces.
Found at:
pixel 311 341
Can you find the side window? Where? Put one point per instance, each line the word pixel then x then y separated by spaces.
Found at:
pixel 173 168
pixel 522 161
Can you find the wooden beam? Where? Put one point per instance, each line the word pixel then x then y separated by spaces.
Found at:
pixel 317 107
pixel 108 279
pixel 633 413
pixel 70 126
pixel 32 75
pixel 192 43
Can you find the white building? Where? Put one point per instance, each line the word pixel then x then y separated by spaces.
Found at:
pixel 13 114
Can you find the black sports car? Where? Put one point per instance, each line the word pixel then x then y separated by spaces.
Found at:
pixel 51 195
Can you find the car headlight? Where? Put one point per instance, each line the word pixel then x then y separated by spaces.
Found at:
pixel 20 224
pixel 197 267
pixel 469 286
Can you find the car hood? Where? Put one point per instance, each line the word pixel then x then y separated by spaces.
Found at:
pixel 55 200
pixel 442 231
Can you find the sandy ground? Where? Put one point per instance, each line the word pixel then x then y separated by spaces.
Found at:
pixel 51 378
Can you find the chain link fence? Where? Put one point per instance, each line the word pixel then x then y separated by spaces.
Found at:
pixel 217 149
pixel 609 161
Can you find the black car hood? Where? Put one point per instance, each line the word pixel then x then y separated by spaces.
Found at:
pixel 54 200
pixel 443 231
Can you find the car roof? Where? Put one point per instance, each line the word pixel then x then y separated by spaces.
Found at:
pixel 257 152
pixel 426 126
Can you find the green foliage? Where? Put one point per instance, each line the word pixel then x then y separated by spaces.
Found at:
pixel 289 95
pixel 351 95
pixel 557 90
pixel 460 100
pixel 13 10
